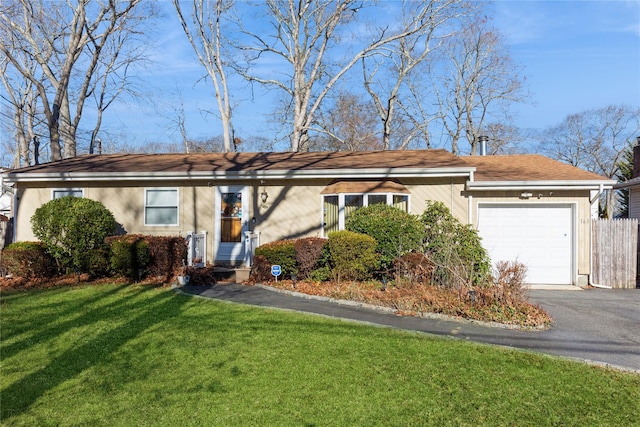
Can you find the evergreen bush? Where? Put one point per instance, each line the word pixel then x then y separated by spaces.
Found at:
pixel 396 231
pixel 130 255
pixel 29 260
pixel 282 253
pixel 454 248
pixel 353 255
pixel 72 226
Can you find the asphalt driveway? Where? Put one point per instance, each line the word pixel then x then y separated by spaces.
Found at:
pixel 596 325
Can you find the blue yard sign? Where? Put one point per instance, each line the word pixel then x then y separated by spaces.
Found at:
pixel 276 271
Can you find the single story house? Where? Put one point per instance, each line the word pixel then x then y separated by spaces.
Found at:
pixel 526 207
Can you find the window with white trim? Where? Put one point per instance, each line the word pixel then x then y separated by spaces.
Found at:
pixel 64 192
pixel 337 207
pixel 161 206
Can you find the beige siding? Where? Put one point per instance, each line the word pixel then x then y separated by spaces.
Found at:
pixel 446 190
pixel 293 209
pixel 634 202
pixel 583 216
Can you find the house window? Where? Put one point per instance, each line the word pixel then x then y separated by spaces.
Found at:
pixel 331 214
pixel 401 201
pixel 338 207
pixel 63 192
pixel 377 199
pixel 161 206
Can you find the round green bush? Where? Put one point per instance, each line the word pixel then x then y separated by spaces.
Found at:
pixel 353 255
pixel 396 231
pixel 282 253
pixel 72 226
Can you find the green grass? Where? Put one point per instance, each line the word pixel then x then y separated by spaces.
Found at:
pixel 129 355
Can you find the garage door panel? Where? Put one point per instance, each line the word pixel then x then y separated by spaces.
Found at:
pixel 539 236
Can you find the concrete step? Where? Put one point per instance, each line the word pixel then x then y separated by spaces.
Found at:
pixel 231 274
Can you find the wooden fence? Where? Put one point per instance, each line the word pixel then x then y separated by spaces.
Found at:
pixel 614 254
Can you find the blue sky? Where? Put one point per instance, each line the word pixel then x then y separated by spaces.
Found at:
pixel 576 55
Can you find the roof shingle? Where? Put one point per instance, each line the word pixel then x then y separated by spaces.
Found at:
pixel 526 167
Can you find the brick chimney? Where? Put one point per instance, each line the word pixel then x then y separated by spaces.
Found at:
pixel 636 159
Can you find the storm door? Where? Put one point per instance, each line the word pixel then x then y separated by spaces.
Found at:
pixel 232 210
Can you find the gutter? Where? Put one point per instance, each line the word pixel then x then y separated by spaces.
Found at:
pixel 243 175
pixel 626 184
pixel 540 185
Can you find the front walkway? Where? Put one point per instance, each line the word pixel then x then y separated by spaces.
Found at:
pixel 597 326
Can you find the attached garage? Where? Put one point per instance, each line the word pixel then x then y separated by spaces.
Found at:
pixel 541 236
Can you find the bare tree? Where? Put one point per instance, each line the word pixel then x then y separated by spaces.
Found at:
pixel 115 74
pixel 350 124
pixel 204 32
pixel 594 140
pixel 307 38
pixel 505 138
pixel 403 56
pixel 476 79
pixel 67 41
pixel 21 95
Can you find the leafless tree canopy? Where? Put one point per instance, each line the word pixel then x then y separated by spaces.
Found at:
pixel 205 34
pixel 594 140
pixel 57 55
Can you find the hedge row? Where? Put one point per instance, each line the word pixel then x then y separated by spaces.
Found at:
pixel 382 241
pixel 345 255
pixel 133 256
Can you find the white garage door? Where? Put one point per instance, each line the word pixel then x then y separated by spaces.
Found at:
pixel 539 236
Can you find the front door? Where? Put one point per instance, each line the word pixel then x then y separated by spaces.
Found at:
pixel 232 210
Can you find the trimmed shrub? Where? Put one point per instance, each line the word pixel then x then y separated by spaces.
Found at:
pixel 168 253
pixel 309 252
pixel 202 276
pixel 261 269
pixel 282 253
pixel 353 255
pixel 29 260
pixel 95 263
pixel 130 255
pixel 454 248
pixel 72 226
pixel 396 231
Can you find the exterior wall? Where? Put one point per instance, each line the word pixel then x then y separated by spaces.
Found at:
pixel 446 190
pixel 634 202
pixel 582 224
pixel 293 209
pixel 126 202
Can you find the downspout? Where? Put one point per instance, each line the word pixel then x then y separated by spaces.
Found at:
pixel 470 202
pixel 595 285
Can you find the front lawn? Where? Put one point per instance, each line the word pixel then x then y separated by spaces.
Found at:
pixel 122 355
